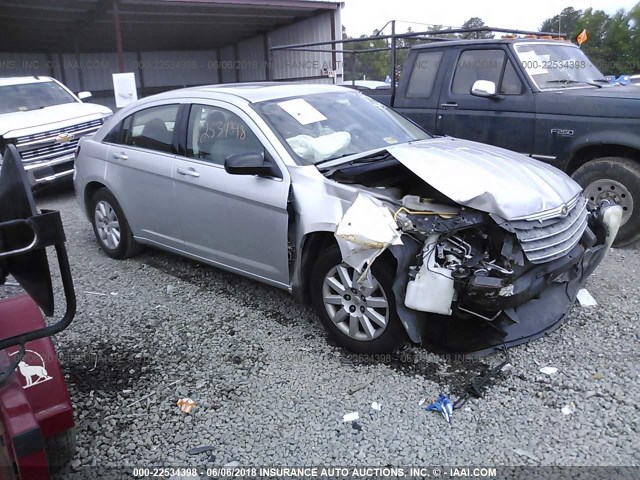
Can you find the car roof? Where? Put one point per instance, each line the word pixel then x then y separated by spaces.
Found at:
pixel 252 92
pixel 23 80
pixel 489 41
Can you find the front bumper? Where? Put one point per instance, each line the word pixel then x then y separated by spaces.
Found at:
pixel 50 170
pixel 541 299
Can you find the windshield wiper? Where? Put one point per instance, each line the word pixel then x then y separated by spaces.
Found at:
pixel 575 81
pixel 373 157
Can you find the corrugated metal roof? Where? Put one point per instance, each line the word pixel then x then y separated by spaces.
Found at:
pixel 45 26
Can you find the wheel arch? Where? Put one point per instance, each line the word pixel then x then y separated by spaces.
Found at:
pixel 591 152
pixel 89 190
pixel 311 246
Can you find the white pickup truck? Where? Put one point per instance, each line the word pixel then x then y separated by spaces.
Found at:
pixel 45 120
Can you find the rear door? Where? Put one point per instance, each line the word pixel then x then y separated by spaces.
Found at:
pixel 238 221
pixel 139 172
pixel 507 120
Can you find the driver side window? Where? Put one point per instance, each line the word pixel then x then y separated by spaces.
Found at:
pixel 214 134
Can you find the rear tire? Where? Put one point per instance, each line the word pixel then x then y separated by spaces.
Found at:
pixel 616 179
pixel 362 320
pixel 110 226
pixel 60 449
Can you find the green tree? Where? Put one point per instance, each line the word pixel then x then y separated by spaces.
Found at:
pixel 617 46
pixel 595 22
pixel 565 22
pixel 634 37
pixel 475 22
pixel 365 63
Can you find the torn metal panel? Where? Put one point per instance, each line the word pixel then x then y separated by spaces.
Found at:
pixel 489 179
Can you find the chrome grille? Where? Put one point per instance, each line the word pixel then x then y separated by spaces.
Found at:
pixel 45 146
pixel 553 238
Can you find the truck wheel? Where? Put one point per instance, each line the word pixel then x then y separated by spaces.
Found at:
pixel 110 226
pixel 60 449
pixel 616 179
pixel 363 320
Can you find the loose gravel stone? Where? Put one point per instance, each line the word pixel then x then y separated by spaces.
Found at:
pixel 270 388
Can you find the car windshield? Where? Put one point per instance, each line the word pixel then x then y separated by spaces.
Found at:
pixel 325 126
pixel 553 66
pixel 32 96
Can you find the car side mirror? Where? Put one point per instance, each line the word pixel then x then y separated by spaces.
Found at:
pixel 484 88
pixel 249 163
pixel 84 95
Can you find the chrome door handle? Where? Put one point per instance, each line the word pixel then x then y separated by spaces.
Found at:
pixel 448 105
pixel 188 171
pixel 120 156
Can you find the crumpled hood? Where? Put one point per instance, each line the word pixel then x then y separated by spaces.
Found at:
pixel 34 121
pixel 487 178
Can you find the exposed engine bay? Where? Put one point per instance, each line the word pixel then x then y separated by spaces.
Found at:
pixel 472 265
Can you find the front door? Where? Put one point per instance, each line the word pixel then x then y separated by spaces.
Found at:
pixel 237 221
pixel 507 120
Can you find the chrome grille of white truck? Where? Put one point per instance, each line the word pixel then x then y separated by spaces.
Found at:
pixel 53 144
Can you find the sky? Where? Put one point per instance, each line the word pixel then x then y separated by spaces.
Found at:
pixel 361 17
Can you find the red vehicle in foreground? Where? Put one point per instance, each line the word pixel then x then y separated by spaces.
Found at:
pixel 36 417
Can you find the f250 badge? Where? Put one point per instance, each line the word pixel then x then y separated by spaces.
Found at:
pixel 562 132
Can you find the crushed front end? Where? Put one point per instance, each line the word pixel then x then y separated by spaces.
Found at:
pixel 483 282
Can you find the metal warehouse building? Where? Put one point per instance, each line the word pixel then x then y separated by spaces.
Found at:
pixel 167 43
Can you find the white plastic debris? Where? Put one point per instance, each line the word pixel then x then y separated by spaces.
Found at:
pixel 549 370
pixel 569 408
pixel 376 406
pixel 365 231
pixel 507 367
pixel 351 417
pixel 170 289
pixel 586 299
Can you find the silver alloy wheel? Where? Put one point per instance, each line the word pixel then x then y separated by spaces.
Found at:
pixel 107 225
pixel 607 189
pixel 359 311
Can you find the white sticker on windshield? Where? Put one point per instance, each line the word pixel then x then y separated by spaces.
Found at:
pixel 302 111
pixel 533 63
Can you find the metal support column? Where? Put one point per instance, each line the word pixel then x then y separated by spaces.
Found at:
pixel 116 27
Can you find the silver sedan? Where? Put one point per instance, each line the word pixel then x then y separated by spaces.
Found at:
pixel 391 233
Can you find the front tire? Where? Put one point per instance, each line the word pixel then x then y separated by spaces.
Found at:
pixel 110 226
pixel 618 180
pixel 360 318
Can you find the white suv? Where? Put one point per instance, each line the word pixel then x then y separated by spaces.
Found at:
pixel 45 120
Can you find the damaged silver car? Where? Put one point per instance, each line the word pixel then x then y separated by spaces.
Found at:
pixel 391 233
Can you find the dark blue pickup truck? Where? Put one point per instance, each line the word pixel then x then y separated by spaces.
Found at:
pixel 541 97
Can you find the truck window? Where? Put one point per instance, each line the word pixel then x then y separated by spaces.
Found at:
pixel 485 65
pixel 511 84
pixel 423 75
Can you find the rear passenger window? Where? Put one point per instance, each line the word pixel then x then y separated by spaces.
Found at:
pixel 424 74
pixel 477 65
pixel 152 128
pixel 215 133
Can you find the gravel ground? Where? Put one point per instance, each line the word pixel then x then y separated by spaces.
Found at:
pixel 270 389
